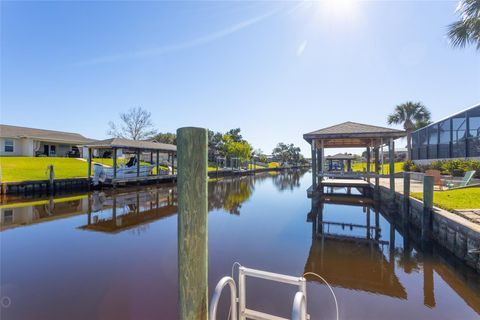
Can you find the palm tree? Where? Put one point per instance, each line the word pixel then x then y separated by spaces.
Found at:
pixel 467 29
pixel 413 115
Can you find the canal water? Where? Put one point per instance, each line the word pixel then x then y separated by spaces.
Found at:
pixel 106 255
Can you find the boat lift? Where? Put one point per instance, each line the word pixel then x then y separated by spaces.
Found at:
pixel 299 308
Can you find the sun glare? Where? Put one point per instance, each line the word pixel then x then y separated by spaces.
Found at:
pixel 337 8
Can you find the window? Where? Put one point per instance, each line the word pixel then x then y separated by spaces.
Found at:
pixel 444 132
pixel 422 139
pixel 459 128
pixel 432 141
pixel 474 132
pixel 9 145
pixel 415 146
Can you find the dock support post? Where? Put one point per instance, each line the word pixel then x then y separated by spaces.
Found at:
pixel 322 157
pixel 427 206
pixel 138 164
pixel 89 170
pixel 51 178
pixel 368 164
pixel 314 166
pixel 192 223
pixel 391 156
pixel 406 195
pixel 377 172
pixel 114 165
pixel 173 163
pixel 157 163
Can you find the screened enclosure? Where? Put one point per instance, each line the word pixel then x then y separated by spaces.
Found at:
pixel 455 137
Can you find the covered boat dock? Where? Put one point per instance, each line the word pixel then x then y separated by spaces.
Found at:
pixel 143 167
pixel 351 135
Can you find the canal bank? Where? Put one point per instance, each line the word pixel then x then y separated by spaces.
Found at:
pixel 53 186
pixel 456 234
pixel 122 247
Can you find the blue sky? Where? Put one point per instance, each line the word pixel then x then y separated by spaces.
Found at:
pixel 274 69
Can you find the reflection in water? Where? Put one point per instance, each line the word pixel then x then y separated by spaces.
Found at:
pixel 288 180
pixel 356 255
pixel 129 210
pixel 112 255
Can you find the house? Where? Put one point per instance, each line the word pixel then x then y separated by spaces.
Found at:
pixel 29 142
pixel 454 137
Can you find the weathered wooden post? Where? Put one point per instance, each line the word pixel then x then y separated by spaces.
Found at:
pixel 391 155
pixel 427 206
pixel 314 166
pixel 192 146
pixel 406 195
pixel 368 164
pixel 51 178
pixel 89 170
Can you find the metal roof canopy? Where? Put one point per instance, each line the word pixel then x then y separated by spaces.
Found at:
pixel 132 144
pixel 353 135
pixel 341 156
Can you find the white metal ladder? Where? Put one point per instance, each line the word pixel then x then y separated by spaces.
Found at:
pixel 299 309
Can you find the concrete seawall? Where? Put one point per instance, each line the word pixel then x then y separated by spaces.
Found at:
pixel 456 234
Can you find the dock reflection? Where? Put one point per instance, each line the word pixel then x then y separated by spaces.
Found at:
pixel 365 256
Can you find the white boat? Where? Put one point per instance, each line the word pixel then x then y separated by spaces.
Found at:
pixel 129 172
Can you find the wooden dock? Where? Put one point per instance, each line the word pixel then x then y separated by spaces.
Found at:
pixel 341 183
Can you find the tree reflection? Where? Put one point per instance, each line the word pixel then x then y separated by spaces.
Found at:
pixel 288 180
pixel 230 194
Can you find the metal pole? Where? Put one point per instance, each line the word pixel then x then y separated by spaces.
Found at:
pixel 192 223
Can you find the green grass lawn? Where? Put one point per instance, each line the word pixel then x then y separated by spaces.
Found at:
pixel 468 198
pixel 386 167
pixel 15 169
pixel 31 168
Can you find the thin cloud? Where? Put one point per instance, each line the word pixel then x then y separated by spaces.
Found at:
pixel 301 48
pixel 178 46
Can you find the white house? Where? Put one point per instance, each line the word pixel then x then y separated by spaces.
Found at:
pixel 29 142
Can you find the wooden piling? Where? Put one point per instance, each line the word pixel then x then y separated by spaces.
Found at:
pixel 192 161
pixel 51 178
pixel 428 182
pixel 391 155
pixel 406 194
pixel 314 166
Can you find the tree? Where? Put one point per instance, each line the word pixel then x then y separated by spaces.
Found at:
pixel 236 149
pixel 136 125
pixel 466 30
pixel 235 134
pixel 167 137
pixel 413 115
pixel 287 153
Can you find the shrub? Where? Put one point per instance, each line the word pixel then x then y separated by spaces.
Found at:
pixel 409 166
pixel 456 167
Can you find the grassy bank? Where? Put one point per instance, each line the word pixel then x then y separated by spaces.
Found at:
pixel 16 169
pixel 468 198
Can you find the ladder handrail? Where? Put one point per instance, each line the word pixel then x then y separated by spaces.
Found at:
pixel 216 297
pixel 299 307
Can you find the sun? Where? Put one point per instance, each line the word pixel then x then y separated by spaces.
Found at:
pixel 337 8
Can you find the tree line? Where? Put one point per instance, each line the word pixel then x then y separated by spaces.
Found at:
pixel 136 124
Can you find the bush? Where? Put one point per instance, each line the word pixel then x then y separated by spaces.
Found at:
pixel 409 166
